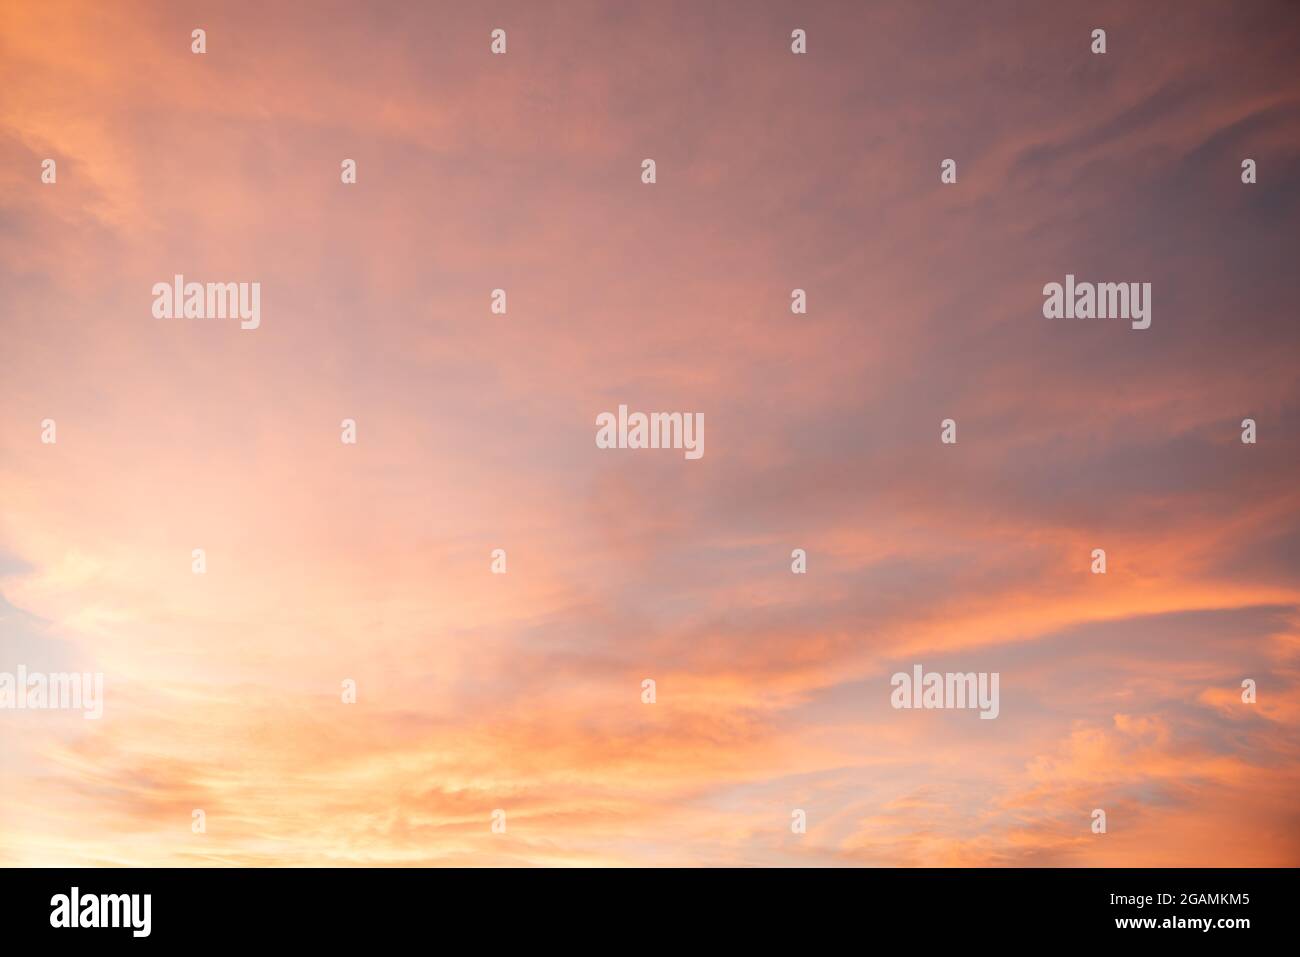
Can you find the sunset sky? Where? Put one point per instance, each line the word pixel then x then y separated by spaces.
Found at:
pixel 522 692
